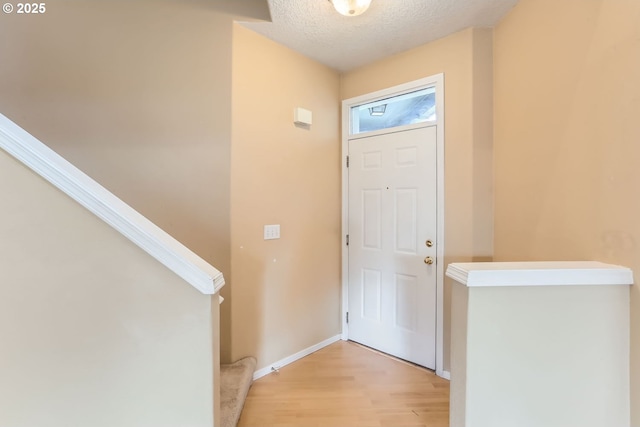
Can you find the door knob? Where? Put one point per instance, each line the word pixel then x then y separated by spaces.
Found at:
pixel 428 260
pixel 429 243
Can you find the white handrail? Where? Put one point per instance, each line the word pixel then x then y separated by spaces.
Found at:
pixel 97 199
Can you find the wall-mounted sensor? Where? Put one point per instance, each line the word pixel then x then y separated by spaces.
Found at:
pixel 302 116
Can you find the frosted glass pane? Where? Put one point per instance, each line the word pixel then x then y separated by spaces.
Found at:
pixel 401 110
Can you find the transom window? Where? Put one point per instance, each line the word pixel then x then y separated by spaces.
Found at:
pixel 406 109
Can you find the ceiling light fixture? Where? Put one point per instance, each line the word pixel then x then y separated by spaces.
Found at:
pixel 351 7
pixel 378 110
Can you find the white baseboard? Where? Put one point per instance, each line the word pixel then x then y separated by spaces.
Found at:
pixel 290 359
pixel 444 374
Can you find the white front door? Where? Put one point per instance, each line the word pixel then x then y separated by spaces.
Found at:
pixel 392 235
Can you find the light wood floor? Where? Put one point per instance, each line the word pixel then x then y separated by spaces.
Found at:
pixel 347 385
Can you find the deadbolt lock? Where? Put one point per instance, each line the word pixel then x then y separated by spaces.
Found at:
pixel 428 260
pixel 429 243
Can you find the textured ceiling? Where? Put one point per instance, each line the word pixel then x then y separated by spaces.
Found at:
pixel 315 29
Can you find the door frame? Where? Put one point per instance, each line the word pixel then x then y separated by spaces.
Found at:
pixel 436 81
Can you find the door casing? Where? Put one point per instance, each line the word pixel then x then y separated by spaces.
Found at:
pixel 436 81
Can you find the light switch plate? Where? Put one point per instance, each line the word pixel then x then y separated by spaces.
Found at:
pixel 272 232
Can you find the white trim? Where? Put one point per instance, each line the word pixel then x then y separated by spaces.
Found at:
pixel 290 359
pixel 346 109
pixel 393 129
pixel 138 229
pixel 437 81
pixel 541 273
pixel 440 141
pixel 446 375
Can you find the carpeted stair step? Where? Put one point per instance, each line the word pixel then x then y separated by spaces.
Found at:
pixel 235 380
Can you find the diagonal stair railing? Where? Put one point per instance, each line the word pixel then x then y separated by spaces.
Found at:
pixel 66 177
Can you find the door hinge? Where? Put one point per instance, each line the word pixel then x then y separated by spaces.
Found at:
pixel 347 161
pixel 347 240
pixel 347 317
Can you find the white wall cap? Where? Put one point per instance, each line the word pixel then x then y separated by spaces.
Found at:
pixel 540 273
pixel 102 203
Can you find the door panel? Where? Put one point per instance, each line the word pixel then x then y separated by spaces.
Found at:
pixel 392 212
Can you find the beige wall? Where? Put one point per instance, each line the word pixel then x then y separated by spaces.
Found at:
pixel 94 331
pixel 465 60
pixel 286 292
pixel 137 95
pixel 567 103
